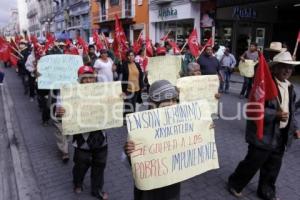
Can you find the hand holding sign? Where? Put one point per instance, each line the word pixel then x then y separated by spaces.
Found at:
pixel 171 144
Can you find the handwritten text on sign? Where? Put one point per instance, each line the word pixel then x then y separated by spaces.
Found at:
pixel 91 107
pixel 194 88
pixel 164 68
pixel 57 70
pixel 172 144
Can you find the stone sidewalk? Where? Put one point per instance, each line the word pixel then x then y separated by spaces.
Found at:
pixel 55 178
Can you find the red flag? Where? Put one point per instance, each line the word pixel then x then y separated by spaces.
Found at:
pixel 209 42
pixel 137 45
pixel 83 44
pixel 174 46
pixel 120 34
pixel 193 43
pixel 264 89
pixel 120 38
pixel 70 48
pixel 97 41
pixel 149 49
pixel 13 44
pixel 4 50
pixel 164 38
pixel 13 59
pixel 298 38
pixel 50 39
pixel 33 39
pixel 18 39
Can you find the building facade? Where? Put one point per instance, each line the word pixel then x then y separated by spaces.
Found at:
pixel 13 27
pixel 239 22
pixel 178 18
pixel 34 25
pixel 46 16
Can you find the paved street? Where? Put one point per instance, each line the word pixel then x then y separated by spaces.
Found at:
pixel 46 177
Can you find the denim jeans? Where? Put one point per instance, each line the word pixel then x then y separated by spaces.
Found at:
pixel 224 84
pixel 1 77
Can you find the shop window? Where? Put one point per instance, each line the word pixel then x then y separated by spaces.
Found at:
pixel 114 2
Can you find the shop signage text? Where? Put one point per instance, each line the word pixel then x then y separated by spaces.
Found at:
pixel 167 12
pixel 244 13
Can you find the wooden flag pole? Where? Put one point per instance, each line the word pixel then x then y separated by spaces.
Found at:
pixel 15 56
pixel 186 42
pixel 103 39
pixel 295 50
pixel 17 52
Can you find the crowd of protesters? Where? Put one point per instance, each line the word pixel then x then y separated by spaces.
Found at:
pixel 106 65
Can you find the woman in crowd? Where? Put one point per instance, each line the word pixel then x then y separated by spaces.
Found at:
pixel 104 67
pixel 132 82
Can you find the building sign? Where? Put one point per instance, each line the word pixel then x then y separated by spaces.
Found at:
pixel 167 12
pixel 244 13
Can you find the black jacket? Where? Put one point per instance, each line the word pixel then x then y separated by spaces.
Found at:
pixel 274 137
pixel 125 74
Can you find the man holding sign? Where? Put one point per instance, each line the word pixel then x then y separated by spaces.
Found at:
pixel 166 145
pixel 90 149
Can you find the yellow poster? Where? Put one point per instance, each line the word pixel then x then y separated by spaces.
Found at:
pixel 194 88
pixel 164 68
pixel 247 68
pixel 172 144
pixel 91 107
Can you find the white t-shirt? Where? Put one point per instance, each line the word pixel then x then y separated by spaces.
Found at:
pixel 104 70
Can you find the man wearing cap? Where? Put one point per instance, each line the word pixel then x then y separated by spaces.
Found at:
pixel 90 149
pixel 280 129
pixel 162 94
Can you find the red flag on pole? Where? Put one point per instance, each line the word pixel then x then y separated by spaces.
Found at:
pixel 149 49
pixel 264 89
pixel 174 46
pixel 164 38
pixel 209 42
pixel 18 39
pixel 50 39
pixel 13 59
pixel 298 38
pixel 70 48
pixel 193 43
pixel 97 41
pixel 137 45
pixel 119 32
pixel 83 44
pixel 4 50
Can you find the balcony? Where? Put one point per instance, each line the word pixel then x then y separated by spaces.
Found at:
pixel 163 1
pixel 31 13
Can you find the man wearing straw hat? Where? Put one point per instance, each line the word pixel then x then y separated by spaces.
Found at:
pixel 280 129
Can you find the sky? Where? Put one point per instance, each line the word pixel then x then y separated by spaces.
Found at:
pixel 5 6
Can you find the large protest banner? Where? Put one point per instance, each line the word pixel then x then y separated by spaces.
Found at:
pixel 246 68
pixel 56 70
pixel 194 88
pixel 164 68
pixel 91 107
pixel 172 144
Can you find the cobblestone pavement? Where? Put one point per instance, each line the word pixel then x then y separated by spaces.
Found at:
pixel 54 179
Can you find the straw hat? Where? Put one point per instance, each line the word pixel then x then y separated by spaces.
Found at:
pixel 276 46
pixel 284 57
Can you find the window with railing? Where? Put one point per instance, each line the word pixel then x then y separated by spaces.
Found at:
pixel 128 11
pixel 103 10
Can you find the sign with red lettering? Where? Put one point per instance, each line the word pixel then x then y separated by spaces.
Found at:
pixel 172 144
